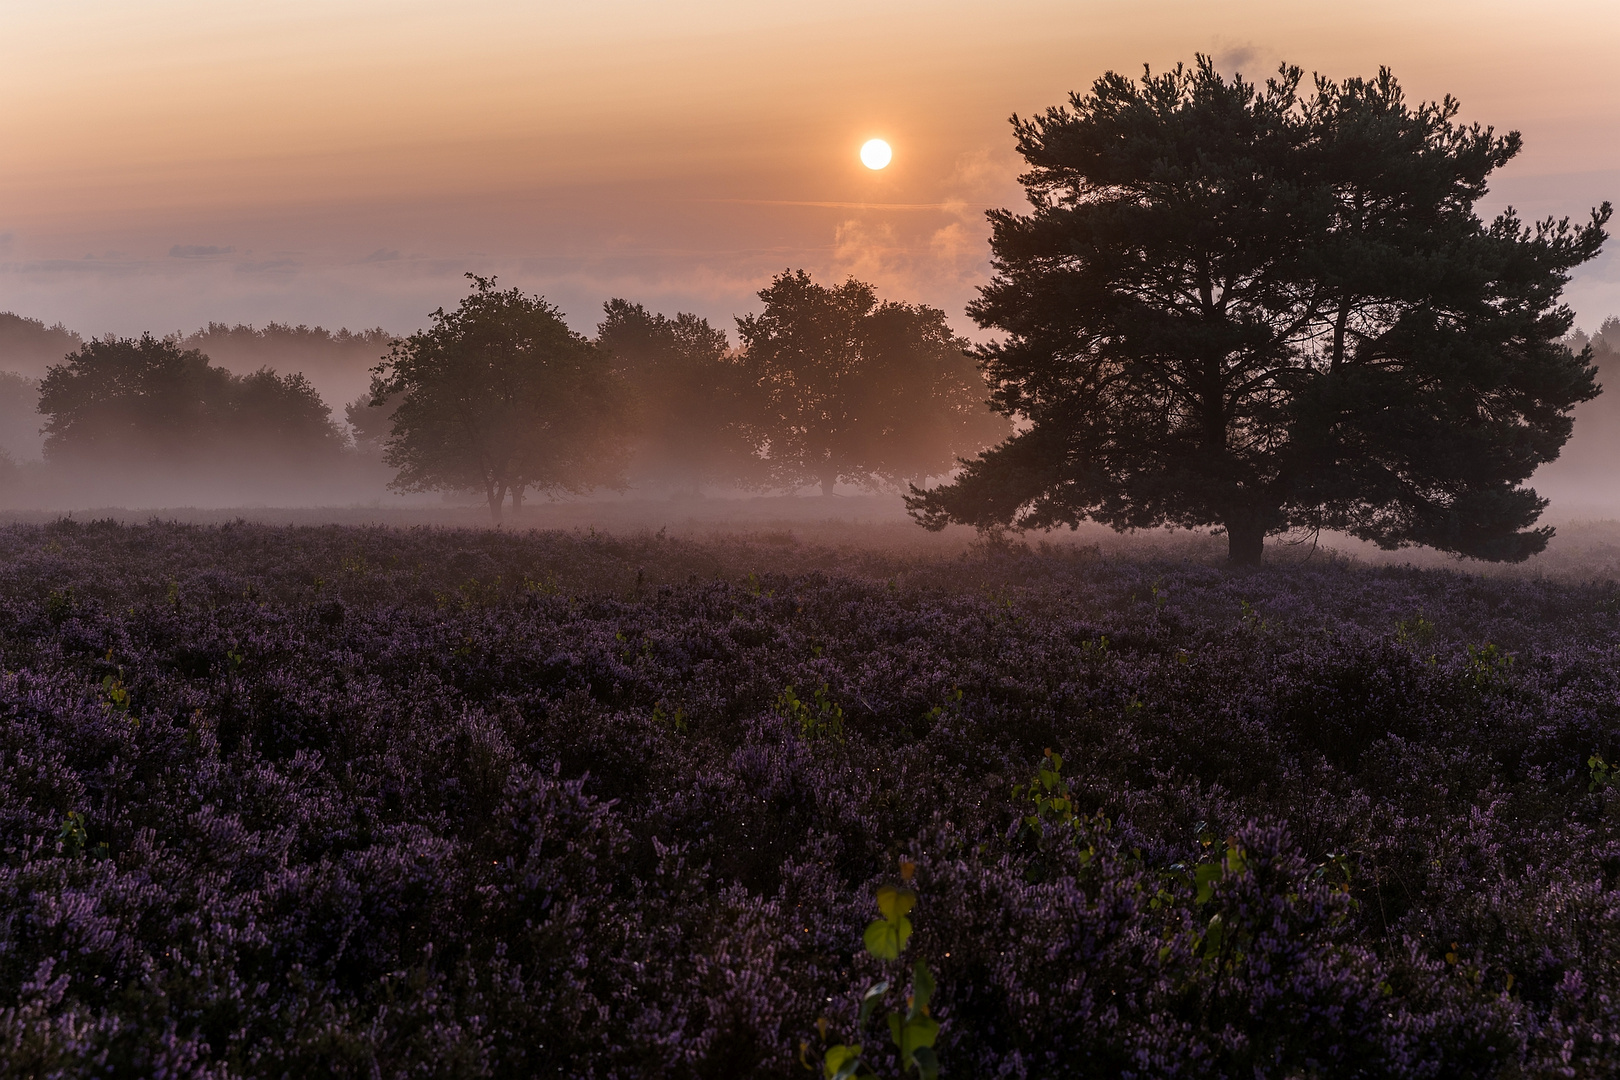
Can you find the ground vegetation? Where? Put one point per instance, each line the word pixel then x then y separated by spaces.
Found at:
pixel 362 802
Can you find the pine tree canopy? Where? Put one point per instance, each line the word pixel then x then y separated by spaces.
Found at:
pixel 1272 307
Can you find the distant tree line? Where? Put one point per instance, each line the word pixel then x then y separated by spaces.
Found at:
pixel 827 385
pixel 28 347
pixel 1604 342
pixel 242 344
pixel 136 403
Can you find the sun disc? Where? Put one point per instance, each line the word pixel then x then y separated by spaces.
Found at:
pixel 875 154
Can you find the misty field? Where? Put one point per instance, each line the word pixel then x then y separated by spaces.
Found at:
pixel 309 801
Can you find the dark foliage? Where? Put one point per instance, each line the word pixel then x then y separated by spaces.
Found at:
pixel 337 363
pixel 693 402
pixel 1605 343
pixel 248 347
pixel 351 802
pixel 370 424
pixel 126 405
pixel 499 397
pixel 28 347
pixel 1262 308
pixel 19 416
pixel 861 392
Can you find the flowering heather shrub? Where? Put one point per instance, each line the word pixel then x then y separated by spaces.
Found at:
pixel 352 802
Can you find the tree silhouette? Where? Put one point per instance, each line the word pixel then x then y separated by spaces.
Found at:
pixel 129 398
pixel 925 400
pixel 692 398
pixel 29 347
pixel 283 417
pixel 19 416
pixel 1258 308
pixel 124 402
pixel 500 396
pixel 371 424
pixel 857 391
pixel 137 418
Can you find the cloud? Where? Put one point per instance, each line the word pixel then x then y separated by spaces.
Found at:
pixel 197 251
pixel 1233 58
pixel 953 242
pixel 870 253
pixel 89 264
pixel 269 266
pixel 380 256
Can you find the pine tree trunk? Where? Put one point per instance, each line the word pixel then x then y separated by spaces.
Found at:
pixel 1245 541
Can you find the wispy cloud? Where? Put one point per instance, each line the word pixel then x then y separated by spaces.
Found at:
pixel 269 266
pixel 198 251
pixel 946 207
pixel 89 264
pixel 1233 59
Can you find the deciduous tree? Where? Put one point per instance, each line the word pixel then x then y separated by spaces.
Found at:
pixel 861 392
pixel 125 403
pixel 693 408
pixel 500 396
pixel 124 398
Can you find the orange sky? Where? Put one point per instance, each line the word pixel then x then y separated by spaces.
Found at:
pixel 344 161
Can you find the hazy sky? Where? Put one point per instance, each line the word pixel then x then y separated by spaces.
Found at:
pixel 342 162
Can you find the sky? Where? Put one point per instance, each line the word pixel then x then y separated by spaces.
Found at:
pixel 164 163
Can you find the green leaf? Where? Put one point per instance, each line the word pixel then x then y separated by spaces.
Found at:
pixel 870 999
pixel 927 1063
pixel 912 1035
pixel 886 940
pixel 922 987
pixel 1205 877
pixel 1236 860
pixel 841 1062
pixel 895 903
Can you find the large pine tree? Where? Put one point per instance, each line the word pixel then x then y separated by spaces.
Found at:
pixel 1261 308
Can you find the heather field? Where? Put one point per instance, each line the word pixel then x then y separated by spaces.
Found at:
pixel 297 801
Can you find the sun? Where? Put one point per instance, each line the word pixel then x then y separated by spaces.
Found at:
pixel 875 153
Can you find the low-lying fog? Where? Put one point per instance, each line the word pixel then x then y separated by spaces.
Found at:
pixel 261 481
